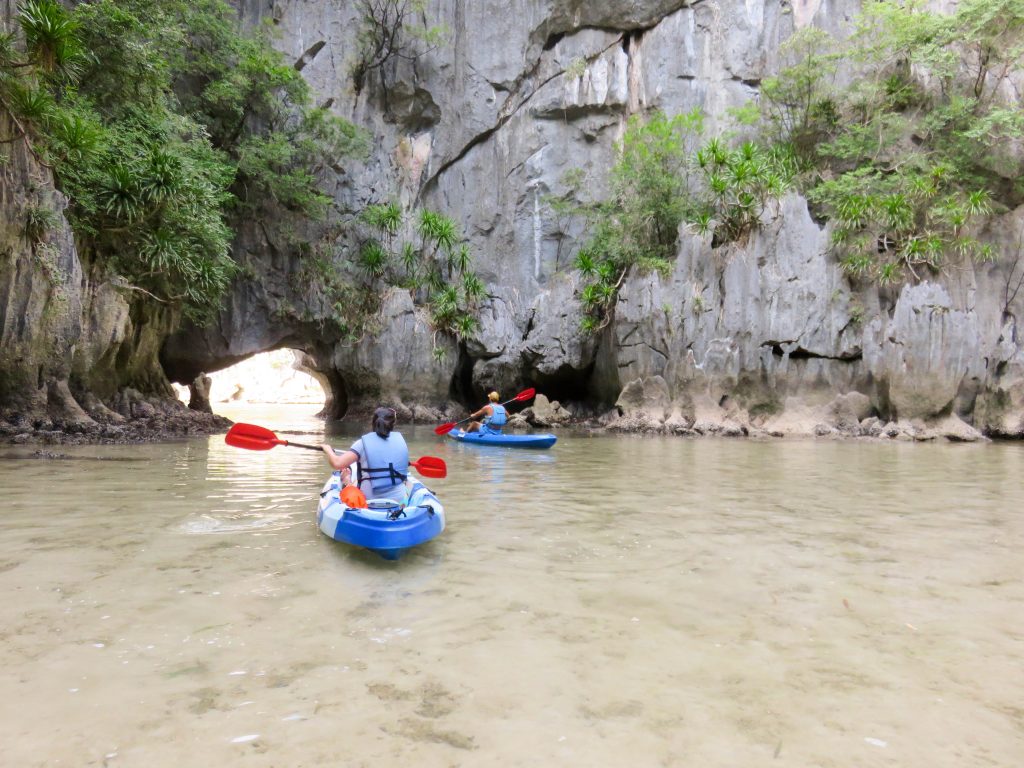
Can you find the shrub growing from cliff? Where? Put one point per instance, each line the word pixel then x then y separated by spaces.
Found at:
pixel 923 145
pixel 435 266
pixel 736 185
pixel 661 180
pixel 637 225
pixel 388 33
pixel 161 121
pixel 798 103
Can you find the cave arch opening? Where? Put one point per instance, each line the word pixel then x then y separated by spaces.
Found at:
pixel 281 377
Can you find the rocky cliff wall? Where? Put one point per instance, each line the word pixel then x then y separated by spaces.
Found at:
pixel 40 277
pixel 770 334
pixel 764 334
pixel 484 129
pixel 767 334
pixel 78 361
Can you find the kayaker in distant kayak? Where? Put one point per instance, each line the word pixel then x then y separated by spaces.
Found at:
pixel 383 458
pixel 494 417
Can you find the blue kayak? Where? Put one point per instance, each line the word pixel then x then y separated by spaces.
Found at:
pixel 510 441
pixel 384 526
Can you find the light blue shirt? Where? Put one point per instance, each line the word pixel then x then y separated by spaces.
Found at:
pixel 396 492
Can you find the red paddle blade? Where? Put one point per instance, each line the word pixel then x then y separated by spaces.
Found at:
pixel 430 466
pixel 251 437
pixel 252 430
pixel 444 429
pixel 526 394
pixel 251 443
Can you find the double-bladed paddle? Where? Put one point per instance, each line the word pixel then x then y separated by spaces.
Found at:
pixel 444 429
pixel 255 438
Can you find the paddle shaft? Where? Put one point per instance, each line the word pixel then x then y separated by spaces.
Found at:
pixel 456 423
pixel 301 445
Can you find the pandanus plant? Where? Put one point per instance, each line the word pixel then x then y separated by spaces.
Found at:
pixel 51 38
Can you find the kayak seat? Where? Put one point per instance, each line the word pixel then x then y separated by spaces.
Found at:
pixel 389 506
pixel 383 505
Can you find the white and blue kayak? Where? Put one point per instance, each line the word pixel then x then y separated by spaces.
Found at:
pixel 384 526
pixel 483 437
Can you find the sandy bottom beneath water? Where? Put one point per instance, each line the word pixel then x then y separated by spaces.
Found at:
pixel 612 602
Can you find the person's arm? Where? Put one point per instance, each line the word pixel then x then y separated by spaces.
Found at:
pixel 485 411
pixel 340 461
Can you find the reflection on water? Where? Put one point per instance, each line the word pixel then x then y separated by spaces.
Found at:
pixel 613 601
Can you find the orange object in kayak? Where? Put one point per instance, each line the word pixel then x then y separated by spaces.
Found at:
pixel 353 498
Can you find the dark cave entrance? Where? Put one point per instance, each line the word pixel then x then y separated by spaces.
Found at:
pixel 568 386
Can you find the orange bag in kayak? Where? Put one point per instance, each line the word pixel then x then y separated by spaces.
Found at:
pixel 353 498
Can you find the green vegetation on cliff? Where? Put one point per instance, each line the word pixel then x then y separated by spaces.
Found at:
pixel 162 121
pixel 388 33
pixel 906 160
pixel 435 266
pixel 909 159
pixel 420 251
pixel 663 178
pixel 637 224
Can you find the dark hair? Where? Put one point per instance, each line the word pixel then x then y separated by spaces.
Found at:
pixel 383 421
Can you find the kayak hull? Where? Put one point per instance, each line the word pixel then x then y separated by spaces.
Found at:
pixel 509 441
pixel 421 520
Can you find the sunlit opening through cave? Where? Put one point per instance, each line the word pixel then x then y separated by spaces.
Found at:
pixel 269 378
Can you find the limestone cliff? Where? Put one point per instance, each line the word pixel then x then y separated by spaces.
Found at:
pixel 764 334
pixel 78 352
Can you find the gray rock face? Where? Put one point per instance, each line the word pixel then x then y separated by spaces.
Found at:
pixel 107 328
pixel 546 413
pixel 40 283
pixel 924 352
pixel 774 325
pixel 759 321
pixel 199 394
pixel 649 397
pixel 764 335
pixel 554 348
pixel 400 365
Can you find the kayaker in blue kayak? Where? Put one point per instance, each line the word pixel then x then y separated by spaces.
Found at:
pixel 383 458
pixel 494 417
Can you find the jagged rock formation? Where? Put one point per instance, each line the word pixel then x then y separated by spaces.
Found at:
pixel 68 338
pixel 765 336
pixel 771 329
pixel 39 294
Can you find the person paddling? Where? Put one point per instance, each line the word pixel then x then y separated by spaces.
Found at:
pixel 494 416
pixel 383 458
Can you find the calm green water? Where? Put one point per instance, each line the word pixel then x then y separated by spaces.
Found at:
pixel 615 601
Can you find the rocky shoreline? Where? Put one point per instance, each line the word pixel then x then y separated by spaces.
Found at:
pixel 134 419
pixel 142 420
pixel 951 429
pixel 845 417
